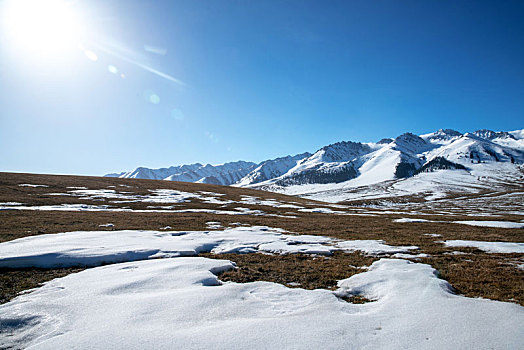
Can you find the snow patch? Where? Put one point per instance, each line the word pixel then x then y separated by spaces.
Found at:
pixel 502 224
pixel 490 247
pixel 180 303
pixel 373 247
pixel 92 248
pixel 322 210
pixel 8 204
pixel 411 220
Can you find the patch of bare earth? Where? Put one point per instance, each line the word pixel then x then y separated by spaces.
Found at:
pixel 491 276
pixel 294 270
pixel 12 282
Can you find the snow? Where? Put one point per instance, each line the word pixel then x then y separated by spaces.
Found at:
pixel 180 303
pixel 167 196
pixel 272 168
pixel 166 209
pixel 441 137
pixel 433 234
pixel 373 247
pixel 92 248
pixel 321 210
pixel 410 220
pixel 434 185
pixel 31 185
pixel 213 225
pixel 377 167
pixel 490 247
pixel 409 256
pixel 212 193
pixel 156 196
pixel 251 200
pixel 502 224
pixel 61 207
pixel 518 134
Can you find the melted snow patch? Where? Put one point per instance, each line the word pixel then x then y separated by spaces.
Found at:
pixel 373 247
pixel 503 224
pixel 92 248
pixel 411 220
pixel 61 207
pixel 213 225
pixel 180 303
pixel 156 196
pixel 165 209
pixel 409 256
pixel 266 202
pixel 433 234
pixel 212 193
pixel 321 210
pixel 490 247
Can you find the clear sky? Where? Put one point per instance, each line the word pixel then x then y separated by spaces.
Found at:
pixel 91 87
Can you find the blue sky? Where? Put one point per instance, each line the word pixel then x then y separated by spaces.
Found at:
pixel 160 83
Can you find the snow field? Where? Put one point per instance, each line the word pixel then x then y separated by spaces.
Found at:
pixel 92 248
pixel 180 303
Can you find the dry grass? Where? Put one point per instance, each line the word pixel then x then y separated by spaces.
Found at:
pixel 12 282
pixel 477 274
pixel 491 276
pixel 294 270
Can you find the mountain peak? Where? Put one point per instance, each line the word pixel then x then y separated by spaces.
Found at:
pixel 441 136
pixel 490 135
pixel 410 142
pixel 385 141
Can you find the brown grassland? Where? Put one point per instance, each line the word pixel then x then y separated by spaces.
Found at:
pixel 473 273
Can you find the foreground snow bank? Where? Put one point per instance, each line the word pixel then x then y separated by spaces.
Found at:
pixel 179 303
pixel 93 248
pixel 490 247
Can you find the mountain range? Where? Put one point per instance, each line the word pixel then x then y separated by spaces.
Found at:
pixel 446 159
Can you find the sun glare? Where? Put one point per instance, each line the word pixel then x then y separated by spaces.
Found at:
pixel 42 27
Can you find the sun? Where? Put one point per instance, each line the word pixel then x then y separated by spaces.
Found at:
pixel 42 27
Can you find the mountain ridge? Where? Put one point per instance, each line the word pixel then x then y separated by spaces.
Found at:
pixel 356 163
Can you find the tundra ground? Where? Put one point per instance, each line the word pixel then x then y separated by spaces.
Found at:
pixel 71 203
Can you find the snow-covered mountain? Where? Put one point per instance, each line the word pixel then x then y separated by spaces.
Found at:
pixel 224 174
pixel 337 171
pixel 271 169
